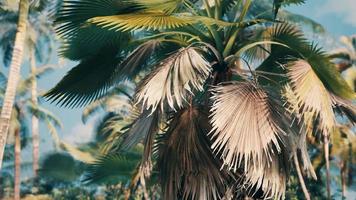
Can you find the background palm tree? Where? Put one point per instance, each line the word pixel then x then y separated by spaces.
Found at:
pixel 251 76
pixel 14 75
pixel 25 109
pixel 38 43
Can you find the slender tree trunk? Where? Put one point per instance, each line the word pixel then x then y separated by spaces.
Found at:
pixel 17 174
pixel 326 154
pixel 343 175
pixel 300 177
pixel 35 121
pixel 14 75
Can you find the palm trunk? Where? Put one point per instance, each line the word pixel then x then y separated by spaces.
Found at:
pixel 17 176
pixel 35 121
pixel 343 175
pixel 14 75
pixel 300 177
pixel 326 154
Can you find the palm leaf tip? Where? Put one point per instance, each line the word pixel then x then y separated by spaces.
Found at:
pixel 174 79
pixel 344 107
pixel 247 123
pixel 272 179
pixel 311 95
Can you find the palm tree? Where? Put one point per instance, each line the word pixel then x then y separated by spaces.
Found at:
pixel 228 94
pixel 23 108
pixel 38 42
pixel 14 75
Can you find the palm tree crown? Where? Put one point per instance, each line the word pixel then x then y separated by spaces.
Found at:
pixel 228 93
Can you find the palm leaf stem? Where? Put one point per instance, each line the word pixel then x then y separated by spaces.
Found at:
pixel 300 177
pixel 327 162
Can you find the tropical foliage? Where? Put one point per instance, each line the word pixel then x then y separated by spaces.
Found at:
pixel 229 97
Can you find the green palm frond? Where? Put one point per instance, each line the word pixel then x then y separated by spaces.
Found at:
pixel 167 6
pixel 75 90
pixel 3 79
pixel 295 45
pixel 90 40
pixel 116 100
pixel 74 14
pixel 147 21
pixel 112 168
pixel 277 4
pixel 6 43
pixel 175 77
pixel 187 167
pixel 44 114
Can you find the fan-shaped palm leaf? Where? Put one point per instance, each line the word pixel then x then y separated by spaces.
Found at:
pixel 147 21
pixel 247 122
pixel 311 94
pixel 180 73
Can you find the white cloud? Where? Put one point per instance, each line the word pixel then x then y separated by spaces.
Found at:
pixel 80 133
pixel 344 8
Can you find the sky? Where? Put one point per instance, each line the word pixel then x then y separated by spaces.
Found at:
pixel 337 16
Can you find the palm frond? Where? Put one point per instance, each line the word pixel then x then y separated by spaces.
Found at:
pixel 272 179
pixel 180 73
pixel 247 122
pixel 296 46
pixel 311 94
pixel 141 128
pixel 344 107
pixel 277 4
pixel 111 168
pixel 90 41
pixel 138 59
pixel 117 100
pixel 187 167
pixel 74 14
pixel 166 6
pixel 86 82
pixel 76 153
pixel 146 21
pixel 44 114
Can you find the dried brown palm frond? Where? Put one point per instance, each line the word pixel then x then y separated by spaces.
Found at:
pixel 247 124
pixel 312 96
pixel 344 107
pixel 142 127
pixel 272 179
pixel 296 140
pixel 176 76
pixel 187 167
